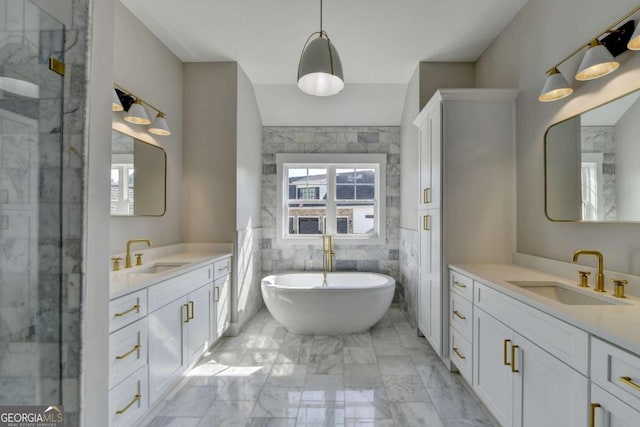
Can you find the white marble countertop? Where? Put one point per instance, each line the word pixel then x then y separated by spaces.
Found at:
pixel 618 324
pixel 193 256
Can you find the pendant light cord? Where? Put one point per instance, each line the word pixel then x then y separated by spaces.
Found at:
pixel 320 16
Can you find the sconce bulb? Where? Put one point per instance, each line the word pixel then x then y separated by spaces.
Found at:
pixel 597 62
pixel 555 87
pixel 137 114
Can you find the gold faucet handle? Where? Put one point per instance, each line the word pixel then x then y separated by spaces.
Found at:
pixel 116 263
pixel 138 259
pixel 618 288
pixel 584 278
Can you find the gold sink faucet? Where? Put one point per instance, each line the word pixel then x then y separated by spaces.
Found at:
pixel 127 261
pixel 600 275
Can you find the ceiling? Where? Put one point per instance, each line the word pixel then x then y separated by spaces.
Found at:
pixel 380 42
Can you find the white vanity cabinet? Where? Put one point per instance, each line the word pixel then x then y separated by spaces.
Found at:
pixel 615 387
pixel 466 175
pixel 221 320
pixel 521 382
pixel 461 324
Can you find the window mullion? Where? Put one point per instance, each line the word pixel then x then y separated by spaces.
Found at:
pixel 331 200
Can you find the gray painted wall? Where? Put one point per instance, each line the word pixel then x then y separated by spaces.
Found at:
pixel 536 38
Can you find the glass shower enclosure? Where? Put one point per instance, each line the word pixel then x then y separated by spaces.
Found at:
pixel 30 205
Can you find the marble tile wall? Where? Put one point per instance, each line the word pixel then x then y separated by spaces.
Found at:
pixel 60 115
pixel 599 139
pixel 363 139
pixel 408 300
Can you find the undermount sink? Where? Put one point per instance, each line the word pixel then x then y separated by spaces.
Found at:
pixel 559 292
pixel 159 267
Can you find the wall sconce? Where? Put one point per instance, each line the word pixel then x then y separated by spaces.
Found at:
pixel 134 111
pixel 598 60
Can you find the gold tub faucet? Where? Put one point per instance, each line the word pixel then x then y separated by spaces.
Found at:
pixel 600 275
pixel 127 261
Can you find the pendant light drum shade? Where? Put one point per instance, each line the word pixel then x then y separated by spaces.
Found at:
pixel 555 87
pixel 160 126
pixel 320 68
pixel 597 62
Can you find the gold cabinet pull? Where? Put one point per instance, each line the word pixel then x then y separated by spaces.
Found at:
pixel 513 359
pixel 193 310
pixel 455 350
pixel 460 285
pixel 217 293
pixel 504 353
pixel 457 313
pixel 425 222
pixel 592 421
pixel 630 383
pixel 134 308
pixel 136 398
pixel 128 353
pixel 187 318
pixel 425 195
pixel 226 267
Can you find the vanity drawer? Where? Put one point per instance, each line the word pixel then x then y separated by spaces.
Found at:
pixel 127 309
pixel 460 352
pixel 564 341
pixel 616 370
pixel 461 315
pixel 221 268
pixel 129 400
pixel 127 351
pixel 461 285
pixel 165 292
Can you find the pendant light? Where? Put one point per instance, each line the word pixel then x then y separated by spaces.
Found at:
pixel 597 62
pixel 137 114
pixel 116 105
pixel 634 41
pixel 555 87
pixel 320 68
pixel 159 126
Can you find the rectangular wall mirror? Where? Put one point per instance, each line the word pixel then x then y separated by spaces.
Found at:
pixel 138 177
pixel 592 164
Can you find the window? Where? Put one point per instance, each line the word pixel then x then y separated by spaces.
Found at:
pixel 342 195
pixel 122 177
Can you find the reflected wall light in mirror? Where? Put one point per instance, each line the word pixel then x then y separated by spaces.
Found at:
pixel 138 177
pixel 598 60
pixel 592 164
pixel 134 111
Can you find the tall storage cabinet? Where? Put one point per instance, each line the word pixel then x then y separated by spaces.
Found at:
pixel 466 195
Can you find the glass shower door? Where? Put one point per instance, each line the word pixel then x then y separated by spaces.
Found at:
pixel 30 205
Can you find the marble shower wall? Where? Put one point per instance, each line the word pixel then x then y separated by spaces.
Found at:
pixel 599 139
pixel 248 294
pixel 408 299
pixel 375 258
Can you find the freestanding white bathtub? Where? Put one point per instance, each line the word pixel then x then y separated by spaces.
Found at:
pixel 351 301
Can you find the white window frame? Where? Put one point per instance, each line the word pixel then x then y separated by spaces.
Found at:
pixel 331 162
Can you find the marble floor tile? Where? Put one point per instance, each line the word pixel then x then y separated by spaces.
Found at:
pixel 323 388
pixel 321 414
pixel 190 402
pixel 162 421
pixel 401 388
pixel 271 422
pixel 359 356
pixel 396 365
pixel 242 388
pixel 456 404
pixel 287 375
pixel 362 376
pixel 415 414
pixel 328 364
pixel 227 414
pixel 278 402
pixel 267 376
pixel 327 345
pixel 293 355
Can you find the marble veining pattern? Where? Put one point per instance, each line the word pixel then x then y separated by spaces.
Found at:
pixel 351 139
pixel 408 300
pixel 302 380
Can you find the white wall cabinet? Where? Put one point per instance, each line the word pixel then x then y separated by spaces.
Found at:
pixel 466 176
